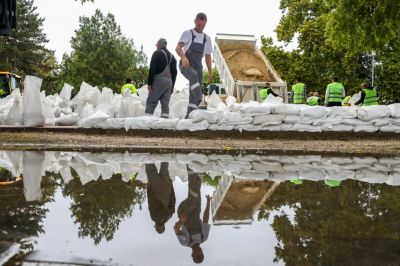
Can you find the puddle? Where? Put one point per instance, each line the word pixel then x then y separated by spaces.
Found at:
pixel 152 209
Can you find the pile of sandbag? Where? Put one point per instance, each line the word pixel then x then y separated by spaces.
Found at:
pixel 104 109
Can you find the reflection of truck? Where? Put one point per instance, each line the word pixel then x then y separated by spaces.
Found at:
pixel 243 68
pixel 8 83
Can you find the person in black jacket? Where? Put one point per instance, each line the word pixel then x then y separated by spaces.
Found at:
pixel 161 81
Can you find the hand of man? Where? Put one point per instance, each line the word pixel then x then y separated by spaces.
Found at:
pixel 185 62
pixel 150 89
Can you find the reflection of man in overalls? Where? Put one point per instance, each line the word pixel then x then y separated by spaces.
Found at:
pixel 161 81
pixel 190 229
pixel 160 195
pixel 192 46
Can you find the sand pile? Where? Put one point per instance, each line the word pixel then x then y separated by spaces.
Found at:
pixel 247 65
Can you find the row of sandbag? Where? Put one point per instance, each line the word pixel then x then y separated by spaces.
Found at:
pixel 91 167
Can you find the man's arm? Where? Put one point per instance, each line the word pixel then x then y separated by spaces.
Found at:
pixel 181 54
pixel 209 67
pixel 207 210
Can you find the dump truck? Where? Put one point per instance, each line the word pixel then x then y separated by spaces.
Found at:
pixel 244 69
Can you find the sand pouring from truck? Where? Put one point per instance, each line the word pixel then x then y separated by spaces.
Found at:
pixel 244 69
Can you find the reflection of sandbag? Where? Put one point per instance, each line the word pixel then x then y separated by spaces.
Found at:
pixel 32 174
pixel 32 103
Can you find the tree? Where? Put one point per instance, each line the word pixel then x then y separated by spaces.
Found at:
pixel 215 77
pixel 318 57
pixel 102 55
pixel 24 52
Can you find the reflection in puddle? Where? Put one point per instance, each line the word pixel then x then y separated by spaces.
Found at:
pixel 178 209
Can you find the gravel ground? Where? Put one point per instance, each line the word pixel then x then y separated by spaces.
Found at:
pixel 206 142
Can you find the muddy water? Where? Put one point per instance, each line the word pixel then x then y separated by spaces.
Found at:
pixel 150 209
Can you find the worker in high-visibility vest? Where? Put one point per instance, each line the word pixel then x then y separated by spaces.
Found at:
pixel 299 91
pixel 312 100
pixel 264 92
pixel 334 93
pixel 369 95
pixel 129 85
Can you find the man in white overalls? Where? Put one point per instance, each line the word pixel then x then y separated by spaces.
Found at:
pixel 193 45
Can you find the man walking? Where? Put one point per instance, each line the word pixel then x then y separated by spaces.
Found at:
pixel 193 45
pixel 161 81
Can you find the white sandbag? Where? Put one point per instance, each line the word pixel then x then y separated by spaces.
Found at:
pixel 272 128
pixel 231 103
pixel 284 176
pixel 248 127
pixel 164 123
pixel 141 122
pixel 394 110
pixel 253 107
pixel 251 174
pixel 369 113
pixel 343 111
pixel 381 122
pixel 131 106
pixel 213 102
pixel 337 128
pixel 314 112
pixel 32 104
pixel 287 109
pixel 211 117
pixel 66 91
pixel 106 108
pixel 222 107
pixel 216 127
pixel 313 174
pixel 93 120
pixel 366 128
pixel 67 120
pixel 306 128
pixel 328 121
pixel 355 122
pixel 87 111
pixel 14 114
pixel 187 124
pixel 86 94
pixel 390 128
pixel 271 99
pixel 111 123
pixel 106 96
pixel 286 127
pixel 292 119
pixel 268 119
pixel 48 112
pixel 230 118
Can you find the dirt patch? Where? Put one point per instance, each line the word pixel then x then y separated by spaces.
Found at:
pixel 213 143
pixel 247 65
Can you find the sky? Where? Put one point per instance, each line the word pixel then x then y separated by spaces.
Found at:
pixel 146 22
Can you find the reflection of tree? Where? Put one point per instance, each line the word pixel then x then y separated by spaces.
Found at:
pixel 101 205
pixel 207 179
pixel 20 219
pixel 354 224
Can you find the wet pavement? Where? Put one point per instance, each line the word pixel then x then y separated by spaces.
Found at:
pixel 152 209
